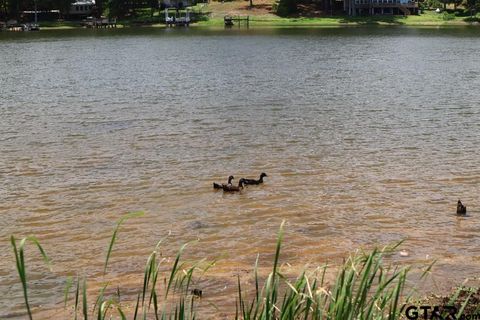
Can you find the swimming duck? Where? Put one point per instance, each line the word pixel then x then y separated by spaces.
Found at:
pixel 197 293
pixel 232 188
pixel 220 186
pixel 461 209
pixel 253 181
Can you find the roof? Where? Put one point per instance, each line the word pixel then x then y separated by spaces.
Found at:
pixel 83 3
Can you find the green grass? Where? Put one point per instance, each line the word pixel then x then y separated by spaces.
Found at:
pixel 59 24
pixel 428 18
pixel 21 267
pixel 364 288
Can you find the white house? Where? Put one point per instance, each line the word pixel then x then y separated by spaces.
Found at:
pixel 81 8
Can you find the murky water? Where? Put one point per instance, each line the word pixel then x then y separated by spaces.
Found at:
pixel 368 136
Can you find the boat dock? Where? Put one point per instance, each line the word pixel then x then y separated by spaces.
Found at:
pixel 231 20
pixel 102 22
pixel 176 20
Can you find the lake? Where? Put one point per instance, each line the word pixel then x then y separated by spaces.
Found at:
pixel 368 136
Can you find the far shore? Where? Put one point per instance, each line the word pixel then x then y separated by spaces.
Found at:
pixel 217 11
pixel 334 22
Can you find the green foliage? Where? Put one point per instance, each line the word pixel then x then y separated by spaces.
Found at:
pixel 473 6
pixel 448 16
pixel 114 236
pixel 116 8
pixel 431 4
pixel 21 267
pixel 364 288
pixel 286 7
pixel 472 19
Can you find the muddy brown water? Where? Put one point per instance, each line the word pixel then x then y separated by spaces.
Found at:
pixel 368 136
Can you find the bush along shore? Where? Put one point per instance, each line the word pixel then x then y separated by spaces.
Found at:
pixel 363 288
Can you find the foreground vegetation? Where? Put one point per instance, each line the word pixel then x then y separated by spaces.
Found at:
pixel 364 288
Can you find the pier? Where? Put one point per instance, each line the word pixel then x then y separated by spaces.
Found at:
pixel 176 19
pixel 100 22
pixel 230 20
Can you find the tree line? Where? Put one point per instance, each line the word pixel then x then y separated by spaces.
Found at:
pixel 12 9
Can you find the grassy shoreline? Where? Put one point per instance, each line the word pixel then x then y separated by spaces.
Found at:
pixel 427 19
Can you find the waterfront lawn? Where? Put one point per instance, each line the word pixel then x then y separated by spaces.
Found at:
pixel 211 15
pixel 428 18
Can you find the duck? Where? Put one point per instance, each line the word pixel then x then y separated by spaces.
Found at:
pixel 253 181
pixel 461 209
pixel 220 185
pixel 197 293
pixel 232 188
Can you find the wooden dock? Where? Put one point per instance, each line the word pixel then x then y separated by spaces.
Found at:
pixel 180 22
pixel 100 23
pixel 231 20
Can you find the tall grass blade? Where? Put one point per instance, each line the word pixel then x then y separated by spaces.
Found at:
pixel 174 269
pixel 20 264
pixel 77 291
pixel 136 307
pixel 114 235
pixel 68 286
pixel 84 300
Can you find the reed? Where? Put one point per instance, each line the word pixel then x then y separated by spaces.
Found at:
pixel 20 265
pixel 364 288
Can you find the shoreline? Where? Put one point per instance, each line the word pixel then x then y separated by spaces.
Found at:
pixel 427 19
pixel 259 24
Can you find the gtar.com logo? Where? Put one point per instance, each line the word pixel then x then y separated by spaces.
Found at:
pixel 437 313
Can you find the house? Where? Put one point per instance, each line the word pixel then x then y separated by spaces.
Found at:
pixel 380 7
pixel 81 8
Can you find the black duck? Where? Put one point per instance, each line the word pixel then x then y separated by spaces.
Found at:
pixel 220 185
pixel 461 209
pixel 254 181
pixel 232 188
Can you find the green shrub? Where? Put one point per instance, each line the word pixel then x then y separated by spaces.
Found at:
pixel 448 16
pixel 431 4
pixel 286 7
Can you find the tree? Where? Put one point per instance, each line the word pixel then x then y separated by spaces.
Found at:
pixel 63 6
pixel 117 8
pixel 3 10
pixel 473 6
pixel 286 7
pixel 13 7
pixel 153 4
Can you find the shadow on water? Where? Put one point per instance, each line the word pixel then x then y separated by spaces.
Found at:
pixel 374 26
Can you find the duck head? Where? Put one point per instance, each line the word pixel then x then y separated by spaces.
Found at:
pixel 230 179
pixel 263 174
